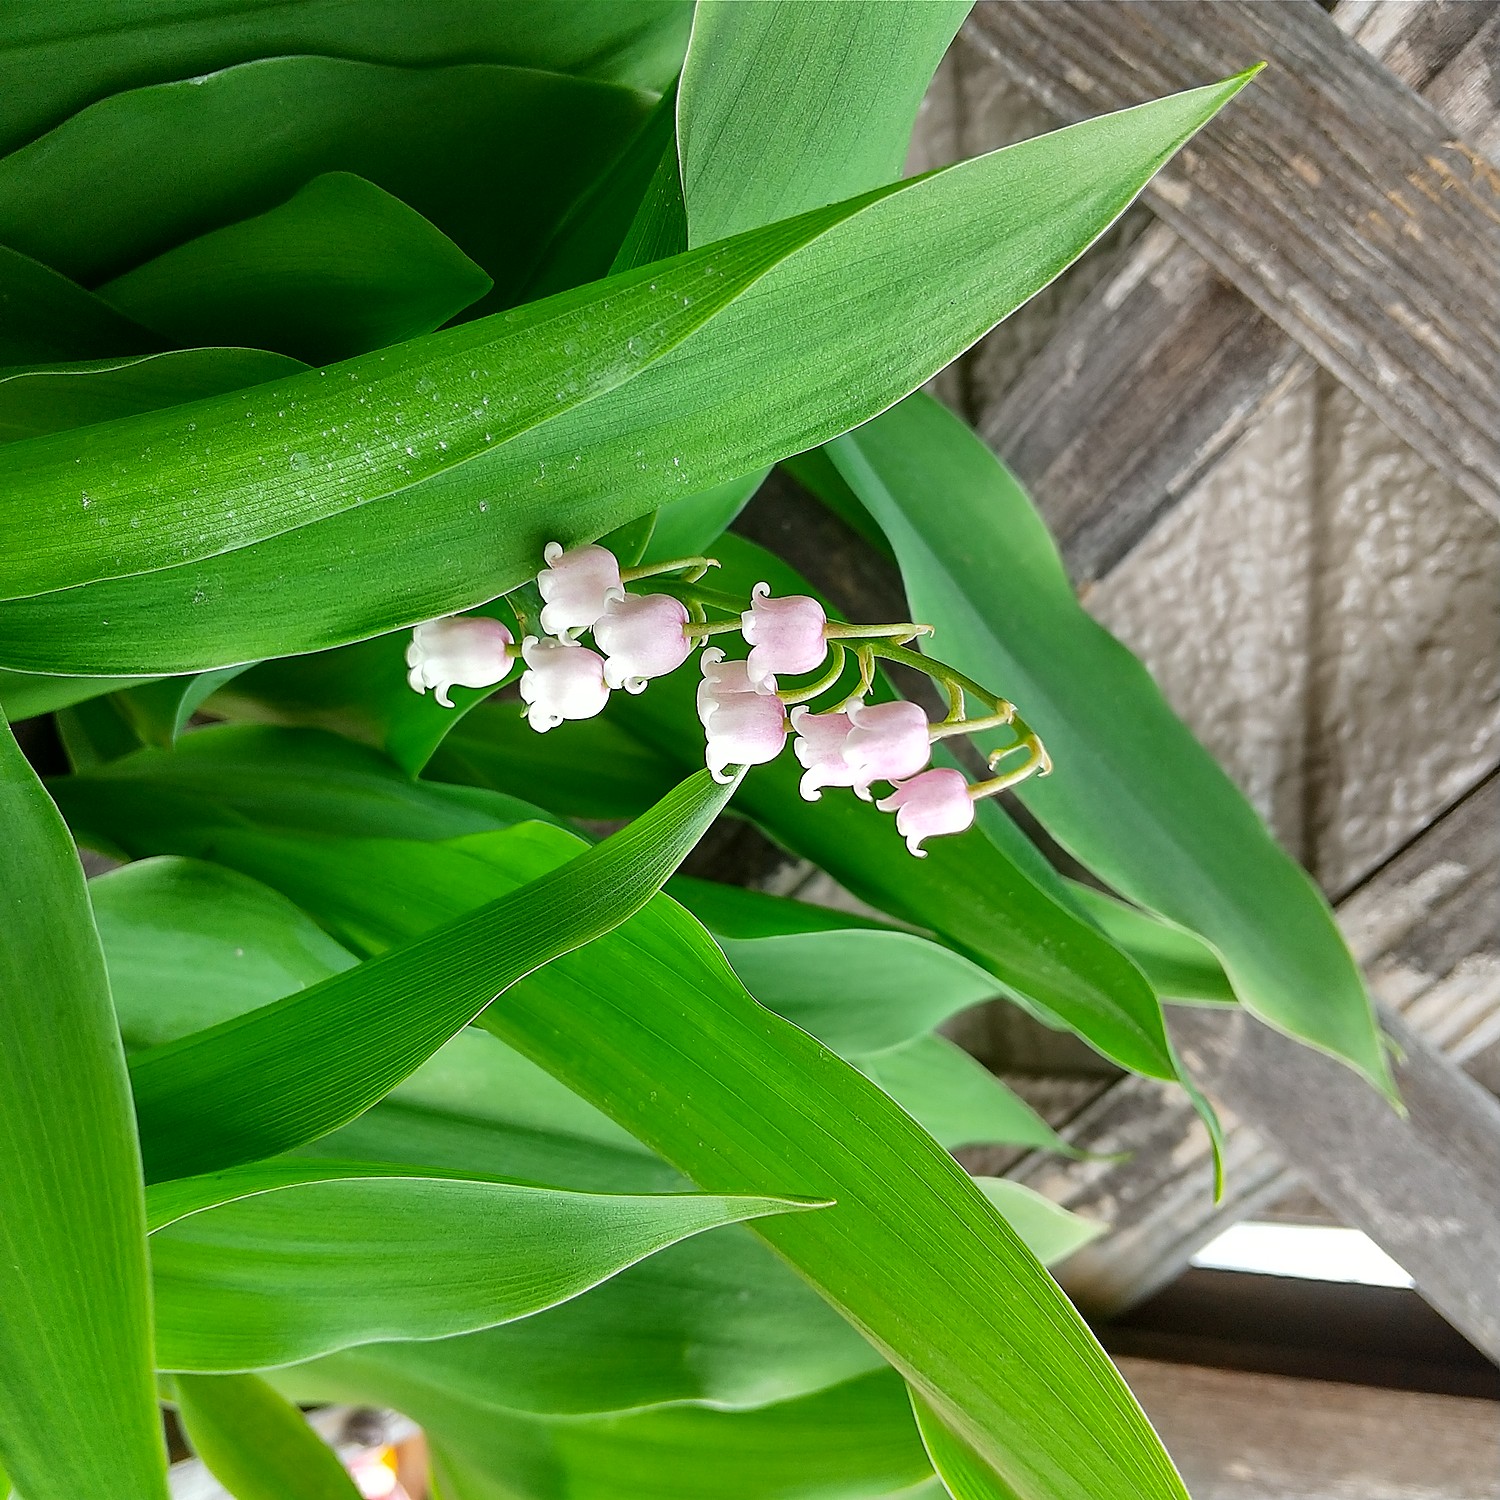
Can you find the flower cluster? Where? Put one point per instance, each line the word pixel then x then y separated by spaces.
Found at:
pixel 747 716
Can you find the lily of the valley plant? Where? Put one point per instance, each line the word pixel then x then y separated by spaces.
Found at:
pixel 381 387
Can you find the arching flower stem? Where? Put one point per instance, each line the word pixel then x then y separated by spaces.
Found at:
pixel 692 569
pixel 1037 763
pixel 906 631
pixel 790 696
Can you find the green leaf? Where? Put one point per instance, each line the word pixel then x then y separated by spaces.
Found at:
pixel 587 244
pixel 958 1101
pixel 44 316
pixel 77 1399
pixel 340 268
pixel 292 1071
pixel 595 770
pixel 937 269
pixel 1179 964
pixel 964 1475
pixel 859 990
pixel 25 694
pixel 716 1319
pixel 290 1261
pixel 167 163
pixel 785 107
pixel 856 1440
pixel 56 60
pixel 189 944
pixel 163 802
pixel 54 398
pixel 160 710
pixel 756 1099
pixel 255 1442
pixel 1050 1232
pixel 1134 796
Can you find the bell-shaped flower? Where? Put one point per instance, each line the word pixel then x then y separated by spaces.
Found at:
pixel 786 635
pixel 722 682
pixel 576 586
pixel 642 636
pixel 746 729
pixel 888 742
pixel 820 747
pixel 470 651
pixel 561 681
pixel 935 802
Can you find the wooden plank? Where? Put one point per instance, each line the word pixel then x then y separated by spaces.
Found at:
pixel 1330 195
pixel 1424 927
pixel 1263 1437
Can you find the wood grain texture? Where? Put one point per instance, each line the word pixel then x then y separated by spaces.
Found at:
pixel 1330 195
pixel 1239 1436
pixel 1425 929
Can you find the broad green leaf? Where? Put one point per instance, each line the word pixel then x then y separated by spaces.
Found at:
pixel 596 770
pixel 56 59
pixel 44 316
pixel 1179 964
pixel 939 264
pixel 785 107
pixel 855 1441
pixel 958 1101
pixel 536 362
pixel 255 1442
pixel 24 694
pixel 716 1319
pixel 963 1474
pixel 754 1097
pixel 1050 1232
pixel 189 944
pixel 54 398
pixel 689 527
pixel 303 1259
pixel 859 990
pixel 340 268
pixel 292 1071
pixel 164 164
pixel 1134 795
pixel 987 905
pixel 161 802
pixel 95 733
pixel 587 244
pixel 160 710
pixel 77 1398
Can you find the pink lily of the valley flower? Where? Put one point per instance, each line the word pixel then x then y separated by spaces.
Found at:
pixel 935 802
pixel 562 681
pixel 642 636
pixel 722 681
pixel 888 742
pixel 470 651
pixel 820 747
pixel 577 586
pixel 786 635
pixel 744 727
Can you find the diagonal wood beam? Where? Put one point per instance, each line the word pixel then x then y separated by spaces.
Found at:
pixel 1424 927
pixel 1168 356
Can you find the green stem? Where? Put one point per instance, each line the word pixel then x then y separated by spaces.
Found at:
pixel 693 567
pixel 789 696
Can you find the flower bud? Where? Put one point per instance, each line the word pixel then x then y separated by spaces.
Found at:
pixel 577 585
pixel 722 681
pixel 935 802
pixel 786 635
pixel 888 742
pixel 470 651
pixel 820 747
pixel 642 636
pixel 561 681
